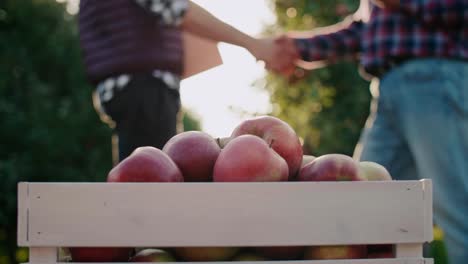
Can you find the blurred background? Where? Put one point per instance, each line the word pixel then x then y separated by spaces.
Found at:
pixel 49 130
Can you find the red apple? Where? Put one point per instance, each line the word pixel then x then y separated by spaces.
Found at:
pixel 195 153
pixel 373 171
pixel 380 251
pixel 330 167
pixel 152 255
pixel 306 159
pixel 379 255
pixel 336 252
pixel 146 164
pixel 248 158
pixel 205 253
pixel 248 257
pixel 100 254
pixel 279 135
pixel 281 252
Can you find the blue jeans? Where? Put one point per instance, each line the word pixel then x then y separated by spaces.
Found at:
pixel 418 128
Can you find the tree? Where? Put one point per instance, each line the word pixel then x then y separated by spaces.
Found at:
pixel 49 128
pixel 327 107
pixel 190 120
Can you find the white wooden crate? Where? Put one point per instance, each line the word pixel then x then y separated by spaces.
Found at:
pixel 52 215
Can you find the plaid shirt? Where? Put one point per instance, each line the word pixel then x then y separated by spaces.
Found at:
pixel 430 28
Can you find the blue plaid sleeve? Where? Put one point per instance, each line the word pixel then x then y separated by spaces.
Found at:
pixel 340 41
pixel 438 13
pixel 170 12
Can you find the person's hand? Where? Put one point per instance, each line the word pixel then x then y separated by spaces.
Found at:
pixel 279 54
pixel 285 63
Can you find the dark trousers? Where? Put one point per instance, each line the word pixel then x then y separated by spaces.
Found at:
pixel 143 113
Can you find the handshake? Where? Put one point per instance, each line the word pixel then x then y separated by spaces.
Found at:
pixel 280 54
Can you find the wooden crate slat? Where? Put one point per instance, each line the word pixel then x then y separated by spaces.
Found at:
pixel 224 214
pixel 23 217
pixel 427 197
pixel 337 261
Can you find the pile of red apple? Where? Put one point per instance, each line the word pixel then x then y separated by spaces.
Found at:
pixel 207 254
pixel 261 149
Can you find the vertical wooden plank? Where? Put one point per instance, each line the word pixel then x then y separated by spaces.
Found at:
pixel 23 214
pixel 43 255
pixel 409 250
pixel 427 197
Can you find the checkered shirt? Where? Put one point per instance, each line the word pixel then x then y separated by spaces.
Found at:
pixel 427 28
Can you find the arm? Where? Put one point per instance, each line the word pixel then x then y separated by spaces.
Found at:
pixel 198 21
pixel 329 44
pixel 202 23
pixel 433 13
pixel 195 19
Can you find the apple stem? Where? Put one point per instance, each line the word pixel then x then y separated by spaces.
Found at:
pixel 271 142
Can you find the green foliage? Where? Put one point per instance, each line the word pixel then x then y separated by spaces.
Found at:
pixel 49 128
pixel 327 107
pixel 190 121
pixel 436 249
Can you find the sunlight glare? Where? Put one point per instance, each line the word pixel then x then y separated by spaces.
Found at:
pixel 225 95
